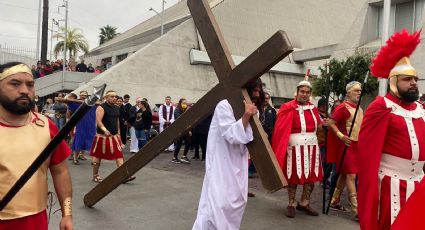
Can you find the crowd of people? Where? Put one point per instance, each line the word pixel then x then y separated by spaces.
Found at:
pixel 41 70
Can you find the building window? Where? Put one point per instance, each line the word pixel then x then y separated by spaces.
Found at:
pixel 406 15
pixel 121 57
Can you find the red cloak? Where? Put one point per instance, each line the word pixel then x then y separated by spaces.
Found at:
pixel 411 215
pixel 282 130
pixel 371 142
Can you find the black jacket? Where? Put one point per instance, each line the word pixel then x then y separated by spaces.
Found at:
pixel 269 118
pixel 143 120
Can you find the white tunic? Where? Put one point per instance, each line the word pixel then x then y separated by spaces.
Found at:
pixel 161 115
pixel 225 188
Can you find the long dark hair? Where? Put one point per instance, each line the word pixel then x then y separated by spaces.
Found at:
pixel 146 105
pixel 259 102
pixel 179 106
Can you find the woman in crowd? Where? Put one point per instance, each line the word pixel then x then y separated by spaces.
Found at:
pixel 143 123
pixel 181 108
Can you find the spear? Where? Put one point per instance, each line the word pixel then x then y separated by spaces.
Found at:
pixel 48 150
pixel 349 135
pixel 325 178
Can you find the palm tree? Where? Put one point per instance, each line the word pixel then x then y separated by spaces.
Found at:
pixel 76 42
pixel 107 33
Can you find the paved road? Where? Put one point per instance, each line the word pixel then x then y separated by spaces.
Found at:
pixel 165 196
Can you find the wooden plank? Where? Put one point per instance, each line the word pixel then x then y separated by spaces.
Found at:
pixel 219 54
pixel 261 60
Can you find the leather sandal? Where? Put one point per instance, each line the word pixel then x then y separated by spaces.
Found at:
pixel 290 211
pixel 307 209
pixel 97 178
pixel 131 178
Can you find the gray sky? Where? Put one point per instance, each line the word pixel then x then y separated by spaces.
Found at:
pixel 19 18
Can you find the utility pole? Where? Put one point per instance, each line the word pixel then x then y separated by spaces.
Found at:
pixel 37 50
pixel 162 18
pixel 44 32
pixel 65 4
pixel 383 83
pixel 161 15
pixel 54 22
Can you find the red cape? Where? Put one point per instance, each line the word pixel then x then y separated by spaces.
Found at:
pixel 411 215
pixel 335 146
pixel 282 130
pixel 371 142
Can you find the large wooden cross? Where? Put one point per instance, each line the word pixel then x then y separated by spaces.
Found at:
pixel 232 80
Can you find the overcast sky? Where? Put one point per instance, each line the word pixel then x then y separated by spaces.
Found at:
pixel 19 18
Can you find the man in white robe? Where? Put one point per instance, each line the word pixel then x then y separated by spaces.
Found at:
pixel 166 117
pixel 225 188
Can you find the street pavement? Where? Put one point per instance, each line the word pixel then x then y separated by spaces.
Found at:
pixel 165 196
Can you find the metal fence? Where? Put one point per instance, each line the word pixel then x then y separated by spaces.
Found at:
pixel 24 55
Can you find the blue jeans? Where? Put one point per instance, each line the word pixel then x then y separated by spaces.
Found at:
pixel 142 137
pixel 59 122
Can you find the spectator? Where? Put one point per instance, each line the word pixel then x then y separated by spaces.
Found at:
pixel 123 120
pixel 166 117
pixel 90 68
pixel 81 67
pixel 38 106
pixel 48 109
pixel 41 70
pixel 143 122
pixel 34 72
pixel 134 146
pixel 268 116
pixel 48 69
pixel 60 109
pixel 180 109
pixel 200 137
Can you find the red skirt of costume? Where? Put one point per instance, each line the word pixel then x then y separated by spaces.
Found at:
pixel 34 222
pixel 303 164
pixel 108 148
pixel 351 160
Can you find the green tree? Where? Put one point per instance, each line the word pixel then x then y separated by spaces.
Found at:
pixel 341 72
pixel 76 42
pixel 107 33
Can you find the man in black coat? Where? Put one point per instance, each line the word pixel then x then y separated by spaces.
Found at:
pixel 268 117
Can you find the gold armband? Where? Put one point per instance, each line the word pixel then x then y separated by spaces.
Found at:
pixel 339 135
pixel 67 207
pixel 104 129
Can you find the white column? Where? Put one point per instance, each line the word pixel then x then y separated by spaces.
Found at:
pixel 383 83
pixel 37 50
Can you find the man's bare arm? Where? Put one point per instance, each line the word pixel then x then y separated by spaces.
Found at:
pixel 63 188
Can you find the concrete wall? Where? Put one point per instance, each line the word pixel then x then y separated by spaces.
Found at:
pixel 54 83
pixel 163 68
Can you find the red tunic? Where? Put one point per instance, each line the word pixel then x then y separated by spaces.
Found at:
pixel 391 156
pixel 108 148
pixel 39 220
pixel 411 215
pixel 295 143
pixel 336 147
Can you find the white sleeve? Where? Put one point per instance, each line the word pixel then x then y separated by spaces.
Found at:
pixel 160 116
pixel 172 115
pixel 231 130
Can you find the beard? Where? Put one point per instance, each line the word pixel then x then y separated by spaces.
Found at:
pixel 14 107
pixel 411 95
pixel 256 100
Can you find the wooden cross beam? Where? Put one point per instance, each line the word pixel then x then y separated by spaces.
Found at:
pixel 232 80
